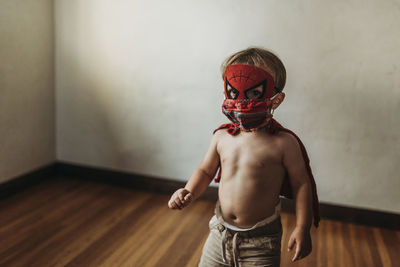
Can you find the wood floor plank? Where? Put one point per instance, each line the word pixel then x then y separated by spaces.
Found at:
pixel 57 238
pixel 38 210
pixel 196 231
pixel 373 247
pixel 195 258
pixel 89 225
pixel 100 250
pixel 391 243
pixel 347 244
pixel 384 255
pixel 24 204
pixel 66 222
pixel 91 232
pixel 363 246
pixel 45 222
pixel 188 228
pixel 12 207
pixel 317 248
pixel 339 243
pixel 145 229
pixel 167 233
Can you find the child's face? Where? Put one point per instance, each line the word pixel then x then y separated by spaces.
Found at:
pixel 254 93
pixel 249 82
pixel 248 93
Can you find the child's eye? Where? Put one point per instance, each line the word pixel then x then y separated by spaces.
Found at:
pixel 232 93
pixel 255 93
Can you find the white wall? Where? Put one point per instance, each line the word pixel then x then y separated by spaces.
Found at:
pixel 138 85
pixel 27 136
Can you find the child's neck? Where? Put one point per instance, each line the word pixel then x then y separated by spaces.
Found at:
pixel 263 127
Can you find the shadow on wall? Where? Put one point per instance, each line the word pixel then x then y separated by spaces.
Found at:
pixel 102 121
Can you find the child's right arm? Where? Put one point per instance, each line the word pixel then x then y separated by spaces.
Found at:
pixel 200 179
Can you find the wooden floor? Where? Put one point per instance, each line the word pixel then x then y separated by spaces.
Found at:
pixel 67 222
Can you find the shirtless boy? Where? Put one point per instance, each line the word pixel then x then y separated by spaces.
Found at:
pixel 258 160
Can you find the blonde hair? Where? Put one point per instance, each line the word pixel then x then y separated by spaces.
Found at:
pixel 261 58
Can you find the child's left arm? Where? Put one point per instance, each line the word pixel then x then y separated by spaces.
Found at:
pixel 300 182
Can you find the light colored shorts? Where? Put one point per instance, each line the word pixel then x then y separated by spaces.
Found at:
pixel 259 245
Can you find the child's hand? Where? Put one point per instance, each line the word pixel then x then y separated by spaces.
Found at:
pixel 301 237
pixel 180 199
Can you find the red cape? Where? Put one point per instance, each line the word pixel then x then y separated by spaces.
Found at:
pixel 286 190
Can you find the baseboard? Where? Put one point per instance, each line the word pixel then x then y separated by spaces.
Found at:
pixel 157 184
pixel 131 180
pixel 22 182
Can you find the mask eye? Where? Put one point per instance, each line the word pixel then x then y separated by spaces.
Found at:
pixel 256 92
pixel 231 92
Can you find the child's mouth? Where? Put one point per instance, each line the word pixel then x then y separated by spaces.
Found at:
pixel 247 120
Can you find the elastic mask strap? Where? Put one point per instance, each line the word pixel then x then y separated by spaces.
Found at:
pixel 272 99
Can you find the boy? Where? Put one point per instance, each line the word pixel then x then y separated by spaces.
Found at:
pixel 258 160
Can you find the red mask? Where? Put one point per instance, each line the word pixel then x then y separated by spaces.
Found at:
pixel 248 93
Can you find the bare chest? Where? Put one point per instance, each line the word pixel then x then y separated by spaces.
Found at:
pixel 250 150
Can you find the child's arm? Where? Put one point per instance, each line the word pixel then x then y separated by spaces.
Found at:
pixel 200 179
pixel 300 182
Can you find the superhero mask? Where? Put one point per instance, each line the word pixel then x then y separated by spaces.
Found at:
pixel 248 93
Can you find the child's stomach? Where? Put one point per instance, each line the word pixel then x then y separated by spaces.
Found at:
pixel 247 198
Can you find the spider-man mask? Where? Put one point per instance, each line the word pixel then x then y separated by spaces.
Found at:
pixel 248 93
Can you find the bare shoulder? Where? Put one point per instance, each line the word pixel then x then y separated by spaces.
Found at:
pixel 217 137
pixel 288 141
pixel 220 139
pixel 220 134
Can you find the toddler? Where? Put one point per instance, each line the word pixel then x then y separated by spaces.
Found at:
pixel 258 160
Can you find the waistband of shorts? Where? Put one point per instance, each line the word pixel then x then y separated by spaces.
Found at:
pixel 268 225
